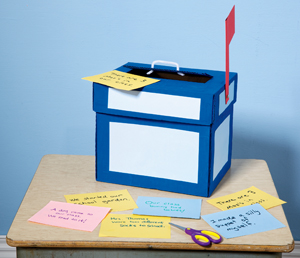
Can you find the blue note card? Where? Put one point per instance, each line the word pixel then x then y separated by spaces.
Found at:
pixel 168 207
pixel 242 221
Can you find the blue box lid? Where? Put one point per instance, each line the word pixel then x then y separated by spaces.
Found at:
pixel 198 97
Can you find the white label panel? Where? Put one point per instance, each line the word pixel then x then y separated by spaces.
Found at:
pixel 221 146
pixel 154 151
pixel 154 103
pixel 222 104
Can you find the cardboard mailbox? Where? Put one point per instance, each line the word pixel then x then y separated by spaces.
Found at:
pixel 174 135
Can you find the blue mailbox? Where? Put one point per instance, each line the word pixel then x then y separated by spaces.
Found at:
pixel 174 135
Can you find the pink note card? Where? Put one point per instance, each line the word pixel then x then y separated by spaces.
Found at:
pixel 69 215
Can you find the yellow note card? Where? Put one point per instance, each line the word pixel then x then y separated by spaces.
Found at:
pixel 135 226
pixel 246 197
pixel 121 80
pixel 119 200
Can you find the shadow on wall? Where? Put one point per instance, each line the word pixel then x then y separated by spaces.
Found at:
pixel 281 163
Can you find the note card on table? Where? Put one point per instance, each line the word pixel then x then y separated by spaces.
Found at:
pixel 135 226
pixel 72 216
pixel 245 197
pixel 119 200
pixel 168 207
pixel 242 221
pixel 121 80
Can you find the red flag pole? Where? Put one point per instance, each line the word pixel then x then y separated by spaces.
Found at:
pixel 229 32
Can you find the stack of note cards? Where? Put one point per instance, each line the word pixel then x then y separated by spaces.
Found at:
pixel 150 218
pixel 244 213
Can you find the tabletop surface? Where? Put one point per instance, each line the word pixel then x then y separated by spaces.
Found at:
pixel 59 175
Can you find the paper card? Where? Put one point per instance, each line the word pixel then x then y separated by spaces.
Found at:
pixel 119 200
pixel 246 197
pixel 168 207
pixel 242 221
pixel 72 216
pixel 135 226
pixel 121 80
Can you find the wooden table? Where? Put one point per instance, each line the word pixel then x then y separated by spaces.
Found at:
pixel 58 175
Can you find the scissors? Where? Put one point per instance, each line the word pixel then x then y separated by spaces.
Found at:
pixel 201 237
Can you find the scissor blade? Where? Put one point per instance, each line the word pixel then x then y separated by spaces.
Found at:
pixel 177 226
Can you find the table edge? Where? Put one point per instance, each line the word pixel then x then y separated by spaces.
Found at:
pixel 151 245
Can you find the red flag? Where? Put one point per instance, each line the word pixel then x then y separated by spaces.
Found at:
pixel 229 32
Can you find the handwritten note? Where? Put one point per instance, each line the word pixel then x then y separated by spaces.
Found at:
pixel 119 200
pixel 72 216
pixel 168 207
pixel 242 221
pixel 121 80
pixel 135 226
pixel 246 197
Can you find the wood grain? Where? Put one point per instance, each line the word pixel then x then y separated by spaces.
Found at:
pixel 59 175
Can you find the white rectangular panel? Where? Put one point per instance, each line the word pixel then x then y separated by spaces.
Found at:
pixel 222 103
pixel 154 103
pixel 221 146
pixel 154 151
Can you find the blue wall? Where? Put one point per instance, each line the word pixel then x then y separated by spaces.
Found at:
pixel 48 46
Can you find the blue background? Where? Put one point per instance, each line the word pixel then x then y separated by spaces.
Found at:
pixel 47 47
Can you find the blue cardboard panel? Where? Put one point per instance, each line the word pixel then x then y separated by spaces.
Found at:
pixel 220 105
pixel 207 92
pixel 101 99
pixel 221 151
pixel 103 152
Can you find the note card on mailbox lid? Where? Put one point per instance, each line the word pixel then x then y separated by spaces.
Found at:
pixel 242 221
pixel 119 200
pixel 124 225
pixel 72 216
pixel 121 80
pixel 171 207
pixel 246 197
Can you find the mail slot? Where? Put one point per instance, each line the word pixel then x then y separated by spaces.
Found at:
pixel 173 135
